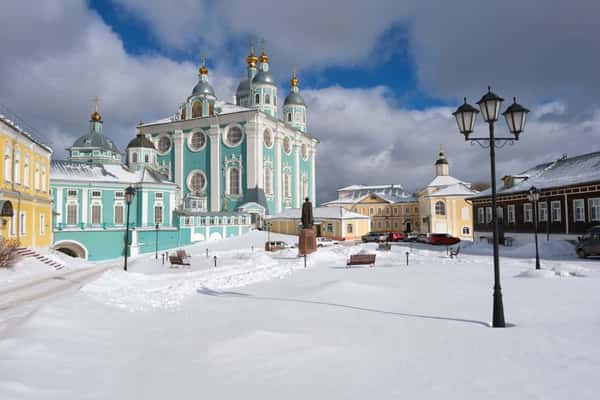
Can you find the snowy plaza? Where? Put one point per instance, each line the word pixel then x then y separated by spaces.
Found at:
pixel 260 325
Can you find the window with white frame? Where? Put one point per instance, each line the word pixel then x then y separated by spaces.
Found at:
pixel 96 214
pixel 23 223
pixel 44 179
pixel 72 193
pixel 395 211
pixel 594 209
pixel 500 213
pixel 234 181
pixel 269 180
pixel 158 214
pixel 37 176
pixel 510 214
pixel 440 208
pixel 387 224
pixel 527 213
pixel 379 212
pixel 119 195
pixel 466 230
pixel 543 211
pixel 158 195
pixel 96 194
pixel 379 226
pixel 42 224
pixel 370 211
pixel 134 157
pixel 71 214
pixel 119 212
pixel 349 228
pixel 488 215
pixel 26 171
pixel 287 185
pixel 579 210
pixel 17 167
pixel 481 215
pixel 555 211
pixel 387 211
pixel 8 163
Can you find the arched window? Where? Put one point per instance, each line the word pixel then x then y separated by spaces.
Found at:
pixel 26 171
pixel 267 99
pixel 440 208
pixel 211 109
pixel 134 157
pixel 289 117
pixel 196 109
pixel 234 181
pixel 183 113
pixel 18 166
pixel 257 99
pixel 146 158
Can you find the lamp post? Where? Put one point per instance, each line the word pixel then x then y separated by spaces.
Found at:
pixel 515 115
pixel 129 194
pixel 156 242
pixel 269 234
pixel 534 197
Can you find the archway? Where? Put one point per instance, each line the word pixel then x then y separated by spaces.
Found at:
pixel 71 248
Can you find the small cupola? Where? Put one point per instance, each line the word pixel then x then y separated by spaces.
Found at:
pixel 141 151
pixel 441 164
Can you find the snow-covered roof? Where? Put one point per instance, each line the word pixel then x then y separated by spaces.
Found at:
pixel 562 172
pixel 444 180
pixel 459 189
pixel 319 213
pixel 8 121
pixel 390 198
pixel 371 187
pixel 107 173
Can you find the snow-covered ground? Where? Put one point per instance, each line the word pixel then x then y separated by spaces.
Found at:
pixel 261 326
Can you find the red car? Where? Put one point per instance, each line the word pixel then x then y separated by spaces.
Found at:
pixel 443 238
pixel 395 236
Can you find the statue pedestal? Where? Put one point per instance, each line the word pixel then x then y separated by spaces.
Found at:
pixel 308 242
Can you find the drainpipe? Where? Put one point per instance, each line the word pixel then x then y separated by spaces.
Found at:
pixel 566 215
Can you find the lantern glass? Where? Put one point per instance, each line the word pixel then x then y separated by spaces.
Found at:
pixel 490 106
pixel 129 193
pixel 515 116
pixel 466 115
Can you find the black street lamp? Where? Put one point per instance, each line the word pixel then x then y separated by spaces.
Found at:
pixel 534 197
pixel 129 194
pixel 269 234
pixel 156 242
pixel 515 115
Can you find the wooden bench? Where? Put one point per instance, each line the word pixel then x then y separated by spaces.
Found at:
pixel 183 255
pixel 454 252
pixel 384 246
pixel 176 260
pixel 361 259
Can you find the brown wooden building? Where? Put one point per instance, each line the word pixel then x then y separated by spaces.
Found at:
pixel 569 202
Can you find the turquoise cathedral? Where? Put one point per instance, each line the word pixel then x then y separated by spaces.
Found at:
pixel 210 171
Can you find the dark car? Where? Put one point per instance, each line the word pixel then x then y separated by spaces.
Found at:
pixel 589 244
pixel 374 237
pixel 395 236
pixel 443 239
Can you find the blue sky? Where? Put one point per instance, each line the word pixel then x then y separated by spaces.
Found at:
pixel 380 81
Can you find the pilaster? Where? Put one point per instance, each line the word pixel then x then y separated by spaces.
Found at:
pixel 278 182
pixel 59 205
pixel 313 181
pixel 297 148
pixel 214 134
pixel 178 139
pixel 252 160
pixel 84 206
pixel 144 208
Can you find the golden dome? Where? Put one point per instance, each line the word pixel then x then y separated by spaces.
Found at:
pixel 251 60
pixel 96 116
pixel 294 81
pixel 264 58
pixel 203 70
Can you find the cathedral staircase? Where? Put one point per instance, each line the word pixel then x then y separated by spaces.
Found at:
pixel 27 252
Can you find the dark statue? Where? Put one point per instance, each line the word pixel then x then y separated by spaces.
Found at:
pixel 307 215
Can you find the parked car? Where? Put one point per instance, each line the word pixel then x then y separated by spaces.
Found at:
pixel 395 236
pixel 374 237
pixel 443 238
pixel 589 244
pixel 411 237
pixel 274 245
pixel 323 241
pixel 422 238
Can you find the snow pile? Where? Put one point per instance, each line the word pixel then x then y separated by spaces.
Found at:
pixel 524 249
pixel 134 291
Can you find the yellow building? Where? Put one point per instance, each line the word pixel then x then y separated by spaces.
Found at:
pixel 443 205
pixel 338 224
pixel 390 208
pixel 25 203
